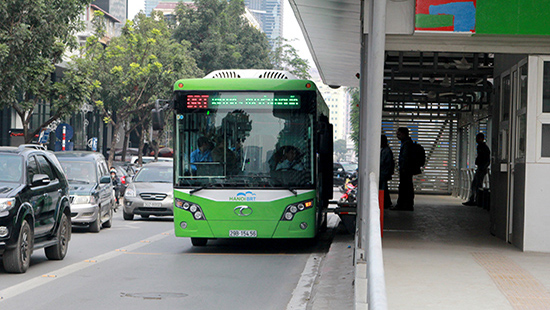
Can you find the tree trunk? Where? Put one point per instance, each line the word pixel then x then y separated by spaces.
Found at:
pixel 141 145
pixel 125 145
pixel 116 128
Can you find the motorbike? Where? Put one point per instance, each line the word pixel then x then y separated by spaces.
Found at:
pixel 350 191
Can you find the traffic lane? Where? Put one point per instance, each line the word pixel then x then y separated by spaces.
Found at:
pixel 173 273
pixel 84 245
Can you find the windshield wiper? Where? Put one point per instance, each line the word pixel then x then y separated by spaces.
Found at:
pixel 292 190
pixel 194 190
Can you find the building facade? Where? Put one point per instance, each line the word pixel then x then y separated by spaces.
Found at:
pixel 150 5
pixel 269 14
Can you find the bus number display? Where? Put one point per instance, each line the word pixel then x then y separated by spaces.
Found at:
pixel 243 100
pixel 197 101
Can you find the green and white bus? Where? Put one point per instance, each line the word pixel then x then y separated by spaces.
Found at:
pixel 252 156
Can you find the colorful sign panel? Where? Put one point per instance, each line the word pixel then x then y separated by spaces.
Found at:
pixel 446 15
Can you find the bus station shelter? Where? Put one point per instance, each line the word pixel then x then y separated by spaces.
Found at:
pixel 447 70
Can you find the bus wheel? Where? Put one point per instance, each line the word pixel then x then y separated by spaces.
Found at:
pixel 199 241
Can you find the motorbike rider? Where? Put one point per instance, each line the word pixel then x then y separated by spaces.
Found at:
pixel 116 185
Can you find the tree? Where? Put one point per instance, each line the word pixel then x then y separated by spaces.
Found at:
pixel 34 36
pixel 340 146
pixel 135 69
pixel 285 57
pixel 220 37
pixel 354 117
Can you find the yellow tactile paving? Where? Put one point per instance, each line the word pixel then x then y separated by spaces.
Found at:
pixel 521 289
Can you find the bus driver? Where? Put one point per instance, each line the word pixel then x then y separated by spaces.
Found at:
pixel 202 154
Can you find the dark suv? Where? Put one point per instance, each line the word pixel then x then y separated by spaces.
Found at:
pixel 34 206
pixel 91 189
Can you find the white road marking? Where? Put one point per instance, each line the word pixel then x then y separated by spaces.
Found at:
pixel 28 285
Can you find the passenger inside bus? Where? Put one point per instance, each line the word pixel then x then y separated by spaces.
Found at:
pixel 287 157
pixel 224 155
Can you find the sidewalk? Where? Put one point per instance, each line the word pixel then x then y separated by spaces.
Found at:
pixel 441 256
pixel 334 287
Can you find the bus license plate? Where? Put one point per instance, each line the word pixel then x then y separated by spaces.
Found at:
pixel 152 204
pixel 243 233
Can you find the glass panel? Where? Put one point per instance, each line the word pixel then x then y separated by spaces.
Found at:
pixel 506 99
pixel 45 167
pixel 545 149
pixel 155 174
pixel 244 147
pixel 546 88
pixel 80 171
pixel 32 168
pixel 11 168
pixel 503 144
pixel 521 135
pixel 523 86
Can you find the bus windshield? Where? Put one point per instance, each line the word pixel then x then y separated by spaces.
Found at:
pixel 233 144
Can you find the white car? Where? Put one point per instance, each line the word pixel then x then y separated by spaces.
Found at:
pixel 148 159
pixel 151 192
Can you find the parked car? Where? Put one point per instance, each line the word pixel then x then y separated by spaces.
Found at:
pixel 91 189
pixel 150 192
pixel 342 171
pixel 34 206
pixel 147 159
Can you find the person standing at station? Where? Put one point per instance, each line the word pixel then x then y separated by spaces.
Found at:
pixel 405 200
pixel 483 160
pixel 387 166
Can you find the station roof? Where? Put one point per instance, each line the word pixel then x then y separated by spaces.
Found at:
pixel 332 30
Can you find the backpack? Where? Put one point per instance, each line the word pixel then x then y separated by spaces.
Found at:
pixel 419 157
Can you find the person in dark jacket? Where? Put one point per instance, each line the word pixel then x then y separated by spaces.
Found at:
pixel 387 166
pixel 116 185
pixel 483 160
pixel 405 200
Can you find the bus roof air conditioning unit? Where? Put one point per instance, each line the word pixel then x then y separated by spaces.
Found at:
pixel 250 74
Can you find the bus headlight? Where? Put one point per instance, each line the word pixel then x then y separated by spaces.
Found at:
pixel 288 216
pixel 190 207
pixel 292 209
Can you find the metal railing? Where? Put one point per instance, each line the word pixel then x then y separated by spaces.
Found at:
pixel 376 287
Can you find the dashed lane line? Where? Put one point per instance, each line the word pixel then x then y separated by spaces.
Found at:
pixel 33 283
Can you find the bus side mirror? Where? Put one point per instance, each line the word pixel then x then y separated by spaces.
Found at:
pixel 325 139
pixel 325 159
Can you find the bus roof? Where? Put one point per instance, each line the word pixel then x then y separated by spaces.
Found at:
pixel 244 84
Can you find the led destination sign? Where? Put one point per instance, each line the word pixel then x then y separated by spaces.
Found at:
pixel 243 100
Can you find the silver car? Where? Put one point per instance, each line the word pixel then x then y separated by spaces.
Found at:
pixel 151 192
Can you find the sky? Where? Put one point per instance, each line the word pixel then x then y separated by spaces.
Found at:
pixel 291 29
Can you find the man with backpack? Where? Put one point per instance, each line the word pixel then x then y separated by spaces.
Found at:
pixel 408 167
pixel 483 160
